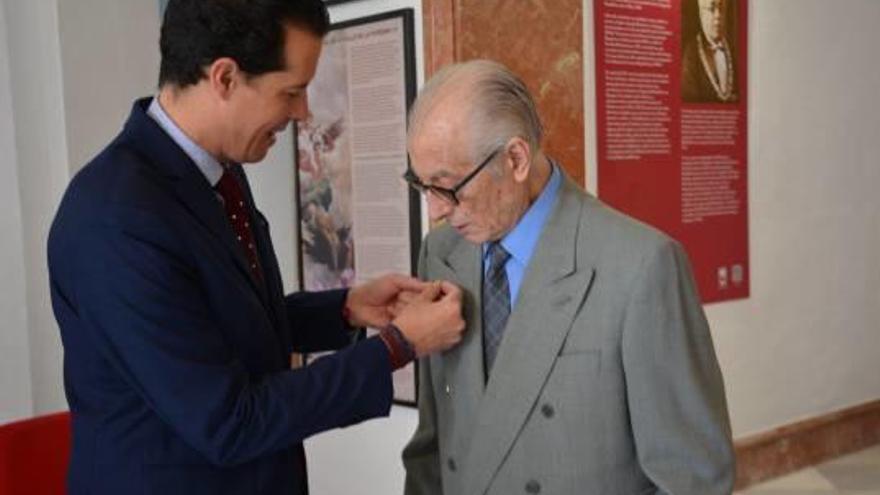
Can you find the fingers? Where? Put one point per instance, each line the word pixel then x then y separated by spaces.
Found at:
pixel 432 319
pixel 450 290
pixel 430 292
pixel 406 283
pixel 407 297
pixel 399 305
pixel 395 309
pixel 449 287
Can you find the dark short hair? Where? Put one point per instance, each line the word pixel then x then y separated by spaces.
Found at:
pixel 195 33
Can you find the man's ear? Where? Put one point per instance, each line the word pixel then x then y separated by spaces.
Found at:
pixel 519 158
pixel 223 75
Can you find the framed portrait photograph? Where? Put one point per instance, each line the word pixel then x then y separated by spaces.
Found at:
pixel 357 218
pixel 709 50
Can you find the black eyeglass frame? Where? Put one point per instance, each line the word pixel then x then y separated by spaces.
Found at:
pixel 448 194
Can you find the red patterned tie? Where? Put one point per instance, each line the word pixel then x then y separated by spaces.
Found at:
pixel 236 211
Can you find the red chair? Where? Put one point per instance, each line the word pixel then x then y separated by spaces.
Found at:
pixel 34 454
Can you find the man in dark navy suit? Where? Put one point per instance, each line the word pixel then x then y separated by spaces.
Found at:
pixel 176 331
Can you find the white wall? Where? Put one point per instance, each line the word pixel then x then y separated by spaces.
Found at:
pixel 15 379
pixel 109 56
pixel 41 166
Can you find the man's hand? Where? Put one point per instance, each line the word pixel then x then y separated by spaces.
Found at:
pixel 403 299
pixel 371 304
pixel 432 321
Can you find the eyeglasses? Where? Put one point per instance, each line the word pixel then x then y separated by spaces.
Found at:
pixel 448 195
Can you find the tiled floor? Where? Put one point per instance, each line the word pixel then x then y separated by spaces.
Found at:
pixel 854 474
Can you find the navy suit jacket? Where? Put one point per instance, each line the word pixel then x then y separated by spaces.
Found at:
pixel 176 360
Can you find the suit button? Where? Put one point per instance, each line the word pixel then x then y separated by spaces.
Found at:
pixel 548 411
pixel 533 487
pixel 450 463
pixel 448 389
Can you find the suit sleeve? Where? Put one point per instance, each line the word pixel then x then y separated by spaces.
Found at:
pixel 317 322
pixel 421 456
pixel 145 311
pixel 674 385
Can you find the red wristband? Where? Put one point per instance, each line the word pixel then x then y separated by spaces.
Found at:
pixel 400 351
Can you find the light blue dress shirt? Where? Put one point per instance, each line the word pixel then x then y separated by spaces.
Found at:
pixel 209 166
pixel 521 241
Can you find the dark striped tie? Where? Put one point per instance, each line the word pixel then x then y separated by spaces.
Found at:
pixel 496 304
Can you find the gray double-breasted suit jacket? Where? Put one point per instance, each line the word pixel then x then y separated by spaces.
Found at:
pixel 606 382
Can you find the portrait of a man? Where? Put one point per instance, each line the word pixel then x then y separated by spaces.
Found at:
pixel 708 65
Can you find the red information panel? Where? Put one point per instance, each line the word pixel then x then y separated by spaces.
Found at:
pixel 671 115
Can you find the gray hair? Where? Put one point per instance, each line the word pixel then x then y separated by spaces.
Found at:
pixel 499 105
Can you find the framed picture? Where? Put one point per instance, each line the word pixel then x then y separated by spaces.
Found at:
pixel 357 218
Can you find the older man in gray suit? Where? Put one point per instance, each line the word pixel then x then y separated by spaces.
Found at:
pixel 587 367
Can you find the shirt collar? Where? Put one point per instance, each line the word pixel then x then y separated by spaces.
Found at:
pixel 207 164
pixel 521 241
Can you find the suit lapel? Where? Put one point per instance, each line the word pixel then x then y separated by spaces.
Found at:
pixel 553 290
pixel 198 197
pixel 190 186
pixel 463 364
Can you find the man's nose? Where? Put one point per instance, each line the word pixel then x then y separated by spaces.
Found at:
pixel 299 109
pixel 438 209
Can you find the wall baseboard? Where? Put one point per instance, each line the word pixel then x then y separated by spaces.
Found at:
pixel 805 443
